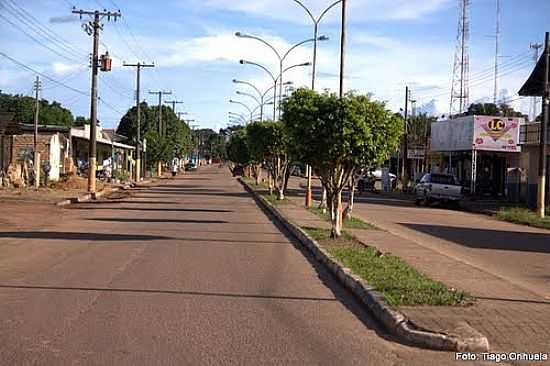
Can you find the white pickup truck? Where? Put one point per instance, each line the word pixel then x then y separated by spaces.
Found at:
pixel 438 187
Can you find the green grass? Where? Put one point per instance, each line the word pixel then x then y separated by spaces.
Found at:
pixel 272 198
pixel 524 216
pixel 400 283
pixel 351 223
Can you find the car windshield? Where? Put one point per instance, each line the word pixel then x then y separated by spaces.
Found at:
pixel 442 179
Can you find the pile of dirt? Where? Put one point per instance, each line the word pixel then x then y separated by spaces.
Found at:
pixel 73 182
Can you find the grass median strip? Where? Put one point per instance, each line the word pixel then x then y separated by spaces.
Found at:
pixel 351 223
pixel 523 216
pixel 400 283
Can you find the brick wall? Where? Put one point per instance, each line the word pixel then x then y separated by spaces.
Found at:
pixel 26 142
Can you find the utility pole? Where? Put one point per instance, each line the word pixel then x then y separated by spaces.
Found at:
pixel 533 109
pixel 138 67
pixel 160 93
pixel 173 103
pixel 544 130
pixel 37 86
pixel 404 165
pixel 92 28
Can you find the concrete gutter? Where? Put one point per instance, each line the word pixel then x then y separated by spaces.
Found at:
pixel 466 338
pixel 94 196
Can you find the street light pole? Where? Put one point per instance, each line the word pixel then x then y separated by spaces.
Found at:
pixel 280 57
pixel 316 21
pixel 244 105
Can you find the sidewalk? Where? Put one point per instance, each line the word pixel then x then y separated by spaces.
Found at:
pixel 513 319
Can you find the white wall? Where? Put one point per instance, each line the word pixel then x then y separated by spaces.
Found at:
pixel 55 152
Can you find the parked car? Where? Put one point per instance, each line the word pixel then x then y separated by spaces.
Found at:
pixel 190 167
pixel 438 188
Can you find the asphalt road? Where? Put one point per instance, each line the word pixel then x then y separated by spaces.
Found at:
pixel 188 272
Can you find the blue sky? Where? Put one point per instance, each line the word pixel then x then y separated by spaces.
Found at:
pixel 391 44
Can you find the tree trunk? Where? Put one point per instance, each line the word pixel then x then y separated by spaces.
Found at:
pixel 351 189
pixel 323 204
pixel 270 184
pixel 336 207
pixel 258 174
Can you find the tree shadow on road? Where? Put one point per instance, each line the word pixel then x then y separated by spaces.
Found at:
pixel 487 238
pixel 151 209
pixel 151 221
pixel 329 280
pixel 59 235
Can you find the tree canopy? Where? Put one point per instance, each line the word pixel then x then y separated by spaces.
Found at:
pixel 51 114
pixel 177 142
pixel 338 136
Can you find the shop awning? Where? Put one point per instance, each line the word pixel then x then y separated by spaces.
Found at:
pixel 534 86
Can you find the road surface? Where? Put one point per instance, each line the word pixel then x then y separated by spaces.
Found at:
pixel 188 272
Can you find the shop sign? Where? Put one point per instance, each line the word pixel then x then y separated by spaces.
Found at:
pixel 496 133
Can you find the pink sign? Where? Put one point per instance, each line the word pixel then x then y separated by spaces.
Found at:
pixel 496 133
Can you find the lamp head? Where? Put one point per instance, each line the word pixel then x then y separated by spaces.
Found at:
pixel 242 62
pixel 323 38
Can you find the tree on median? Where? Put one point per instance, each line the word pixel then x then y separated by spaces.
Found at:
pixel 268 142
pixel 338 137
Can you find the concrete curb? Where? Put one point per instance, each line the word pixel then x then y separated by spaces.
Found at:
pixel 393 321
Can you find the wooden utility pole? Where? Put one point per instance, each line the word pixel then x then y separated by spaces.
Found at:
pixel 541 206
pixel 160 93
pixel 173 104
pixel 138 67
pixel 93 28
pixel 36 113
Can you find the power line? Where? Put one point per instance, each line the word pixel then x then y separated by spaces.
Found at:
pixel 43 75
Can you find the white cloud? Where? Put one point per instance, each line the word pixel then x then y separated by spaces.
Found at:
pixel 60 68
pixel 359 10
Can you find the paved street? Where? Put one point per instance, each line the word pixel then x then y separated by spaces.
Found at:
pixel 189 271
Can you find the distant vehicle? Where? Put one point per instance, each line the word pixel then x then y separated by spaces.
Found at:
pixel 438 188
pixel 190 167
pixel 367 181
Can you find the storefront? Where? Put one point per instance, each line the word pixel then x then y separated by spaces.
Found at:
pixel 483 152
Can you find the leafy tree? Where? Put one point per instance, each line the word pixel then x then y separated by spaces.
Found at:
pixel 81 121
pixel 177 142
pixel 268 142
pixel 51 114
pixel 338 137
pixel 491 109
pixel 237 148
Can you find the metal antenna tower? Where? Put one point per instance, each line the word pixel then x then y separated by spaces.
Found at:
pixel 533 107
pixel 460 89
pixel 497 53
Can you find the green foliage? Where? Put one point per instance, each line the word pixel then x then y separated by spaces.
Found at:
pixel 339 136
pixel 419 129
pixel 177 141
pixel 80 121
pixel 51 114
pixel 158 148
pixel 330 133
pixel 524 216
pixel 491 109
pixel 209 143
pixel 349 223
pixel 237 148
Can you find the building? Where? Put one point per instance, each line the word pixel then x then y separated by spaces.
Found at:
pixel 109 147
pixel 483 152
pixel 530 141
pixel 52 142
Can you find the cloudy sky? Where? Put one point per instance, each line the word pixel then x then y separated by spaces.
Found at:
pixel 391 44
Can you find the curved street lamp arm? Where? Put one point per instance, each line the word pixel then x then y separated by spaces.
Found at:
pixel 241 103
pixel 295 46
pixel 249 84
pixel 238 34
pixel 250 96
pixel 307 10
pixel 327 9
pixel 262 67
